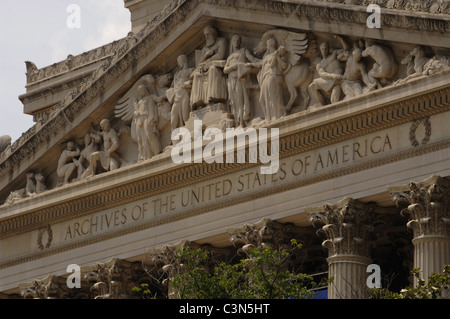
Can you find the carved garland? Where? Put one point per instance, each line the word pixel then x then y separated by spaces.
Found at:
pixel 41 233
pixel 412 131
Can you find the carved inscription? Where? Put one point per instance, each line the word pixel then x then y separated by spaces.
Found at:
pixel 249 180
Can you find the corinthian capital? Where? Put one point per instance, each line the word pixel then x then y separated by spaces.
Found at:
pixel 115 279
pixel 427 205
pixel 170 259
pixel 53 287
pixel 348 226
pixel 266 232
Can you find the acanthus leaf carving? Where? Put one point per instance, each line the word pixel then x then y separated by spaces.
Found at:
pixel 426 204
pixel 53 287
pixel 348 226
pixel 115 279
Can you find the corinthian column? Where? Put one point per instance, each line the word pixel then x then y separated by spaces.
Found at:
pixel 348 227
pixel 427 205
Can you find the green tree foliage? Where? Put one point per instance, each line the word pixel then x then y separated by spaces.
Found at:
pixel 262 275
pixel 436 287
pixel 143 291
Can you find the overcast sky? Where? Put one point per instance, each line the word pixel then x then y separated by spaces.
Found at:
pixel 38 31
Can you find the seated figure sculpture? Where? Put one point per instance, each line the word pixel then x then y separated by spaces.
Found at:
pixel 356 78
pixel 108 157
pixel 330 73
pixel 83 162
pixel 66 164
pixel 385 66
pixel 208 82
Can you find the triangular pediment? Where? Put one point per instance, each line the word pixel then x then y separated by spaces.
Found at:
pixel 179 31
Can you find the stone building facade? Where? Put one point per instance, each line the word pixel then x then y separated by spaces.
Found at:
pixel 360 158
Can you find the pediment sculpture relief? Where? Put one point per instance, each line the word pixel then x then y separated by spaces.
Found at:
pixel 100 153
pixel 252 80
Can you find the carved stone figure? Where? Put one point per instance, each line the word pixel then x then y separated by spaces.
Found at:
pixel 179 95
pixel 5 142
pixel 40 183
pixel 240 64
pixel 161 85
pixel 34 185
pixel 146 115
pixel 164 108
pixel 15 196
pixel 208 82
pixel 416 61
pixel 108 158
pixel 66 164
pixel 355 74
pixel 30 187
pixel 83 162
pixel 330 72
pixel 385 66
pixel 419 64
pixel 140 120
pixel 436 64
pixel 298 75
pixel 139 106
pixel 409 61
pixel 271 81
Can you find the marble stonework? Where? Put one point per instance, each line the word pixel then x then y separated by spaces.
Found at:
pixel 361 113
